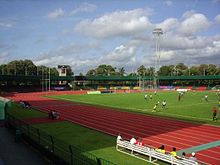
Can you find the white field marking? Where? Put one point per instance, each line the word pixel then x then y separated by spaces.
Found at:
pixel 142 110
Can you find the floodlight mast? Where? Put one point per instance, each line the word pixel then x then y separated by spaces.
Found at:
pixel 157 32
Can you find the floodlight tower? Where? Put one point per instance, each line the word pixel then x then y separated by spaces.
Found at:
pixel 157 32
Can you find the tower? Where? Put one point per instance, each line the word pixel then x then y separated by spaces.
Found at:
pixel 157 32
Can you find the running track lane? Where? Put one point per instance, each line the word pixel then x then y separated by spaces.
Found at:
pixel 168 132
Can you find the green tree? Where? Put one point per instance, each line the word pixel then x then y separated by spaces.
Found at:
pixel 91 72
pixel 121 71
pixel 105 70
pixel 194 70
pixel 181 69
pixel 150 71
pixel 69 71
pixel 165 70
pixel 141 70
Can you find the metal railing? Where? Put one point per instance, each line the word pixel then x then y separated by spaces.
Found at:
pixel 53 148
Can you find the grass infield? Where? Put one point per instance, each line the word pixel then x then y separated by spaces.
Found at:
pixel 191 107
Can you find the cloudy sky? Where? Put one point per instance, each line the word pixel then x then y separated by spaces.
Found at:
pixel 85 34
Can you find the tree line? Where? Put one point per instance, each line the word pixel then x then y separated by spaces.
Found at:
pixel 168 70
pixel 27 67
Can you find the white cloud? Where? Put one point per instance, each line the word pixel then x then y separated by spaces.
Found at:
pixel 167 55
pixel 193 22
pixel 179 43
pixel 175 41
pixel 188 14
pixel 85 7
pixel 119 23
pixel 121 54
pixel 56 13
pixel 217 19
pixel 168 3
pixel 5 24
pixel 168 24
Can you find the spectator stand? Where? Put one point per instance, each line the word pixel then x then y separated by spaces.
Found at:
pixel 149 154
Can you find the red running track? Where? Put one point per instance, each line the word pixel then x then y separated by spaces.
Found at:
pixel 153 130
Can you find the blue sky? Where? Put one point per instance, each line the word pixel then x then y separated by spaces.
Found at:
pixel 85 34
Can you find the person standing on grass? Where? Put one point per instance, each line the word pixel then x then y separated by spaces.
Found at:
pixel 214 114
pixel 154 108
pixel 164 103
pixel 206 97
pixel 179 97
pixel 145 96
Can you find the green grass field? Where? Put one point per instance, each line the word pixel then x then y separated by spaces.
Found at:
pixel 191 107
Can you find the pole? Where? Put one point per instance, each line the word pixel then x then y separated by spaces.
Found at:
pixel 157 32
pixel 42 81
pixel 49 79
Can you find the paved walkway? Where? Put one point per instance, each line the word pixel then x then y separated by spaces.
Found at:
pixel 12 153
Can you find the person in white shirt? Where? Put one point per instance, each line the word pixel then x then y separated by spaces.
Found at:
pixel 133 140
pixel 206 97
pixel 164 103
pixel 119 137
pixel 145 96
pixel 193 157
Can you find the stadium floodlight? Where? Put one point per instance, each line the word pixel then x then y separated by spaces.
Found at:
pixel 157 32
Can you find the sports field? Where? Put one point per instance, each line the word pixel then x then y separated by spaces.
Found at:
pixel 192 106
pixel 154 130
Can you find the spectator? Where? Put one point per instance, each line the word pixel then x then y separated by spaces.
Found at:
pixel 183 155
pixel 133 140
pixel 214 114
pixel 27 104
pixel 193 157
pixel 54 115
pixel 22 103
pixel 161 149
pixel 119 137
pixel 173 152
pixel 139 142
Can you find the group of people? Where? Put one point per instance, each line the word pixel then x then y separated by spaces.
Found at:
pixel 53 115
pixel 164 103
pixel 25 104
pixel 173 152
pixel 161 149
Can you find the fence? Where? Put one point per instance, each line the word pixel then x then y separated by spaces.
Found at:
pixel 3 104
pixel 59 152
